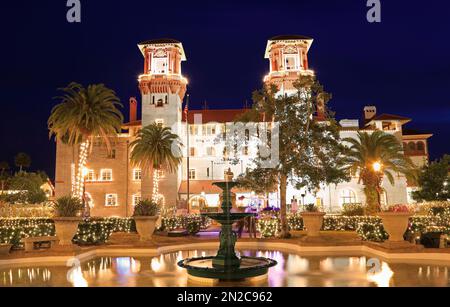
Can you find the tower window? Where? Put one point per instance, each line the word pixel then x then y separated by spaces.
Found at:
pixel 160 103
pixel 153 100
pixel 167 99
pixel 160 66
pixel 292 62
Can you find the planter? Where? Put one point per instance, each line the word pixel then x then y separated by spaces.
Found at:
pixel 145 226
pixel 313 222
pixel 66 228
pixel 5 249
pixel 395 224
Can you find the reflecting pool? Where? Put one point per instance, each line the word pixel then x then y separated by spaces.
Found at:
pixel 292 271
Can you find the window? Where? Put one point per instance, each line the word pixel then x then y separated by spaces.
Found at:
pixel 389 126
pixel 209 130
pixel 193 130
pixel 137 174
pixel 160 103
pixel 159 66
pixel 421 147
pixel 167 99
pixel 90 177
pixel 245 151
pixel 211 151
pixel 292 62
pixel 412 146
pixel 111 200
pixel 207 172
pixel 160 122
pixel 106 174
pixel 348 197
pixel 112 154
pixel 136 199
pixel 192 174
pixel 192 152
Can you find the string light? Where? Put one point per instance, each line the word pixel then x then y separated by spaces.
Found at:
pixel 78 183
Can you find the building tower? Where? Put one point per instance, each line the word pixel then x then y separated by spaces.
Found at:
pixel 163 89
pixel 288 55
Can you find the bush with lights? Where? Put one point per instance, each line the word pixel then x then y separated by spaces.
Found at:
pixel 90 232
pixel 182 222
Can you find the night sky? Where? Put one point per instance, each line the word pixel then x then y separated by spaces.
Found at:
pixel 402 64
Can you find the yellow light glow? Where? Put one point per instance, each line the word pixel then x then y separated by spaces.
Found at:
pixel 377 167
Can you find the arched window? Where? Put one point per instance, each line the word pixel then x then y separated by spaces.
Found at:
pixel 347 196
pixel 421 147
pixel 198 202
pixel 412 146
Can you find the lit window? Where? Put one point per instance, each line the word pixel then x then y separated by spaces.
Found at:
pixel 192 152
pixel 160 122
pixel 245 151
pixel 193 130
pixel 192 174
pixel 111 200
pixel 137 174
pixel 292 62
pixel 136 199
pixel 209 130
pixel 348 197
pixel 90 177
pixel 106 175
pixel 159 66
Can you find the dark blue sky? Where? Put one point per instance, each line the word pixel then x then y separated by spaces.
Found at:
pixel 402 65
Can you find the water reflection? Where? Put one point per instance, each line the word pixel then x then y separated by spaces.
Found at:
pixel 292 271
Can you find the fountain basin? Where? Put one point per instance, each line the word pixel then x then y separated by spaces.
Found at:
pixel 250 267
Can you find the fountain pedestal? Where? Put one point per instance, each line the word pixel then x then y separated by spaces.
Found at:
pixel 226 265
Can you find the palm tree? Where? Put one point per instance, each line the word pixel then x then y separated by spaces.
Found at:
pixel 4 175
pixel 82 115
pixel 156 148
pixel 22 160
pixel 375 156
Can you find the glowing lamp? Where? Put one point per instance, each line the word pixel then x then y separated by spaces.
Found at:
pixel 377 167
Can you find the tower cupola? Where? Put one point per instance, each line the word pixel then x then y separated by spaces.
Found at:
pixel 288 56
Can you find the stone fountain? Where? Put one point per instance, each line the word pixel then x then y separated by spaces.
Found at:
pixel 227 265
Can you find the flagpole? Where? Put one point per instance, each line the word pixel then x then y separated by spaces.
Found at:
pixel 188 152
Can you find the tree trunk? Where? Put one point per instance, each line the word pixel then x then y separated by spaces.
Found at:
pixel 155 193
pixel 78 187
pixel 283 212
pixel 372 190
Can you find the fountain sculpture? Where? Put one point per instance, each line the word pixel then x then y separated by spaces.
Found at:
pixel 227 265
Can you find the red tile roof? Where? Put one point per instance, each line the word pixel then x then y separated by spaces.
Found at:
pixel 208 116
pixel 390 117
